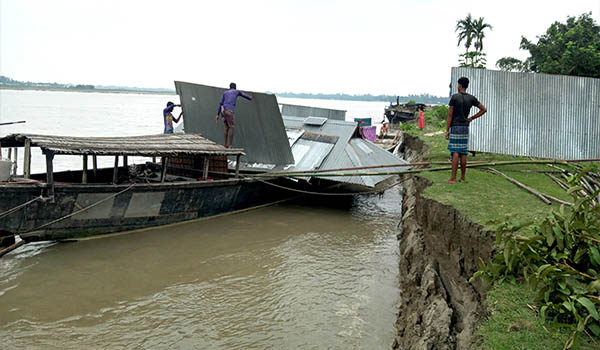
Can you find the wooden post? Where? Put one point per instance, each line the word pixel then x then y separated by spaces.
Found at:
pixel 95 165
pixel 205 169
pixel 237 165
pixel 163 175
pixel 9 153
pixel 50 173
pixel 153 159
pixel 15 161
pixel 27 159
pixel 125 162
pixel 84 177
pixel 116 170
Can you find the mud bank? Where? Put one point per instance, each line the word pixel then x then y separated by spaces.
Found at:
pixel 439 250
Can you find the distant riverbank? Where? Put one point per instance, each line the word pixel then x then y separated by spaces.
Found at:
pixel 75 89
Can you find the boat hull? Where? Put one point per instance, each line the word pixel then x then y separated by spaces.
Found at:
pixel 88 210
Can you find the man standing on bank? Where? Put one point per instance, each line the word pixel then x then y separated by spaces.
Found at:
pixel 457 127
pixel 226 110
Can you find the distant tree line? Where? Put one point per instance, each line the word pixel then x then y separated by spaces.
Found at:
pixel 11 82
pixel 422 98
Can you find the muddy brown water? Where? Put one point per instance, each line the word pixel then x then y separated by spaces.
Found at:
pixel 305 275
pixel 282 277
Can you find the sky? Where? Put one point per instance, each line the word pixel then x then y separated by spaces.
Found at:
pixel 325 46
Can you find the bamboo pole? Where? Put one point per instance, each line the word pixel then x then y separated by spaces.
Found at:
pixel 11 248
pixel 557 180
pixel 525 187
pixel 412 171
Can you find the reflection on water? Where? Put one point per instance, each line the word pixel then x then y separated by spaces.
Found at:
pixel 288 276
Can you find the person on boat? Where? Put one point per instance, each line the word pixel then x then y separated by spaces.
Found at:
pixel 457 127
pixel 168 117
pixel 226 109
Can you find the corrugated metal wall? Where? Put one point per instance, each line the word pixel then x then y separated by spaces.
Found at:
pixel 259 127
pixel 305 111
pixel 537 115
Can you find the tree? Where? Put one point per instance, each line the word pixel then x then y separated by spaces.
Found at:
pixel 511 64
pixel 478 32
pixel 472 31
pixel 465 30
pixel 571 48
pixel 474 59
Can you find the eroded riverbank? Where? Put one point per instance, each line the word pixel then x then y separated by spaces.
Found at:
pixel 439 250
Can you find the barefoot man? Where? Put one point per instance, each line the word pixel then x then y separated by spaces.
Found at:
pixel 457 127
pixel 226 110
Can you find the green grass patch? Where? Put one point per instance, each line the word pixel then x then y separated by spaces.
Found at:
pixel 487 197
pixel 513 325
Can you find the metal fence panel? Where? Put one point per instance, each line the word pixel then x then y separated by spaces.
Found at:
pixel 537 115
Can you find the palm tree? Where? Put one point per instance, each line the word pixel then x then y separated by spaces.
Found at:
pixel 478 27
pixel 465 30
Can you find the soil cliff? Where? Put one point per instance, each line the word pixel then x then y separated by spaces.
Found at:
pixel 439 250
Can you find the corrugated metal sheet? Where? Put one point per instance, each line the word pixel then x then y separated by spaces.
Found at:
pixel 149 145
pixel 305 111
pixel 259 127
pixel 537 115
pixel 349 150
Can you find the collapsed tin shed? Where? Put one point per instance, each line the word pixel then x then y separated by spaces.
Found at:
pixel 289 143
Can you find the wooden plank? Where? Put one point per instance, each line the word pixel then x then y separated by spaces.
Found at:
pixel 165 164
pixel 15 161
pixel 50 173
pixel 116 170
pixel 27 159
pixel 84 174
pixel 95 166
pixel 205 168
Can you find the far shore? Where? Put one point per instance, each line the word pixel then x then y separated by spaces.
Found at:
pixel 113 91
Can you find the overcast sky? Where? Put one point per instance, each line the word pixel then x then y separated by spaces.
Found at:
pixel 324 46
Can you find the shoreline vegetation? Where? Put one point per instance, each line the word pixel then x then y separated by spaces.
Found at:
pixel 512 319
pixel 10 84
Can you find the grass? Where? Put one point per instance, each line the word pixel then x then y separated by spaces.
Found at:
pixel 485 198
pixel 513 325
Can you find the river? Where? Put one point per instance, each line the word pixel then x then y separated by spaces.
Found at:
pixel 309 274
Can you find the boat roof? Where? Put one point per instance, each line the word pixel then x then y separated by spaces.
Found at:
pixel 143 145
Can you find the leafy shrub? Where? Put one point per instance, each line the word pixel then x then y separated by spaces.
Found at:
pixel 560 260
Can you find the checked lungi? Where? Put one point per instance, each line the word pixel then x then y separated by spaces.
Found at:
pixel 459 139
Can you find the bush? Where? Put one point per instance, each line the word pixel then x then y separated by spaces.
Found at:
pixel 559 259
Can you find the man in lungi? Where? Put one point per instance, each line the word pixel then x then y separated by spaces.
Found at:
pixel 457 127
pixel 226 110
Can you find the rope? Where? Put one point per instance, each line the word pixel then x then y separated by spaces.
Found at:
pixel 15 209
pixel 330 194
pixel 81 210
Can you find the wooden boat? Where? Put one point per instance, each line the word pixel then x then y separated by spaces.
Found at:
pixel 191 181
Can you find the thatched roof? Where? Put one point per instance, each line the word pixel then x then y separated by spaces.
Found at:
pixel 147 145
